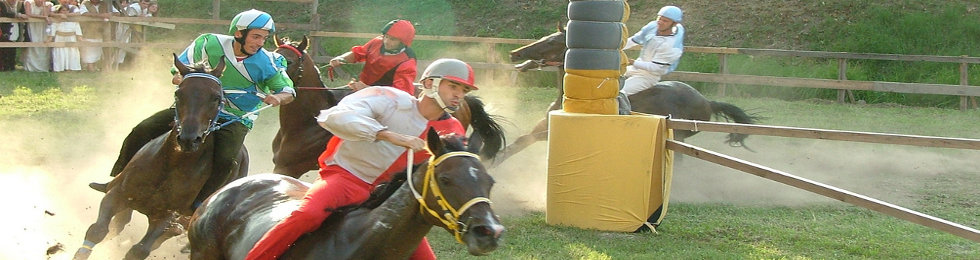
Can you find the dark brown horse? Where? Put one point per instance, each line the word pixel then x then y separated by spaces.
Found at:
pixel 453 186
pixel 300 140
pixel 668 98
pixel 164 177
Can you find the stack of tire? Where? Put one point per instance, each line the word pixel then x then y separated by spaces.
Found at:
pixel 594 61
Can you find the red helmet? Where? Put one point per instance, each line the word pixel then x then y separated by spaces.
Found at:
pixel 403 30
pixel 451 69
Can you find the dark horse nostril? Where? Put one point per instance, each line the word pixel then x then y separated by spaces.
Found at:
pixel 485 231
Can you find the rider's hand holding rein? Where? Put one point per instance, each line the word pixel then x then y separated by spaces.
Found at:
pixel 278 99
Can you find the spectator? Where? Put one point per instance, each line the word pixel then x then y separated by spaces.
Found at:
pixel 94 31
pixel 38 59
pixel 124 32
pixel 65 58
pixel 152 9
pixel 9 32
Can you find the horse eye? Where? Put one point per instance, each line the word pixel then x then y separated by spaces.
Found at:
pixel 443 180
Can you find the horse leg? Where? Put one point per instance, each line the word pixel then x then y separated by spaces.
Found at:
pixel 157 227
pixel 118 222
pixel 539 133
pixel 110 206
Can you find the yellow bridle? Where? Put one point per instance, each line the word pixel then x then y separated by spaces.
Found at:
pixel 450 216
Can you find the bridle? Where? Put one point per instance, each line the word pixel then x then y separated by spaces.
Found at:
pixel 450 215
pixel 213 126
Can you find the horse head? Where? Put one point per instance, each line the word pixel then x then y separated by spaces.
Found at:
pixel 197 100
pixel 300 66
pixel 547 51
pixel 455 190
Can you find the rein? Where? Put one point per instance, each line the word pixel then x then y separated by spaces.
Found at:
pixel 450 215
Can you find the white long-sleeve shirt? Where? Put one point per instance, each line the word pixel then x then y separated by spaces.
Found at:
pixel 357 120
pixel 659 53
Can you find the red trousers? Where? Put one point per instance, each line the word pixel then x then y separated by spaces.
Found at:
pixel 336 188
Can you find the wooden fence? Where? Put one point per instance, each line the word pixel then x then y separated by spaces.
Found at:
pixel 820 188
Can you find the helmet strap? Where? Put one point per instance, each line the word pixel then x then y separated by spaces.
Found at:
pixel 433 92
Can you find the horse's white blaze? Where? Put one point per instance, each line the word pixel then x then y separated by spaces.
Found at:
pixel 473 173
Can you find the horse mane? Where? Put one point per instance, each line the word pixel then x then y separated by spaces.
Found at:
pixel 452 143
pixel 200 67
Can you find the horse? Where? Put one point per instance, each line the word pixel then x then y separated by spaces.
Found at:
pixel 667 98
pixel 165 176
pixel 300 140
pixel 451 191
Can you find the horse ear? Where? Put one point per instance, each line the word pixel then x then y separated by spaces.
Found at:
pixel 304 44
pixel 181 68
pixel 218 70
pixel 435 144
pixel 278 41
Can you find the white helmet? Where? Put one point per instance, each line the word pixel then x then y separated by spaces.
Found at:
pixel 671 12
pixel 252 19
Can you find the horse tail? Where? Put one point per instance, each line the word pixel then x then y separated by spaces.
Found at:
pixel 733 113
pixel 488 136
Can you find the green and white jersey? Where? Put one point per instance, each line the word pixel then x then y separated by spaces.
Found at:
pixel 246 81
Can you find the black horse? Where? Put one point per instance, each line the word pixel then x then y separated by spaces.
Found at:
pixel 668 98
pixel 300 140
pixel 453 188
pixel 164 177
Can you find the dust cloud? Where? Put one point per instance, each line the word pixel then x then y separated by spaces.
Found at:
pixel 48 161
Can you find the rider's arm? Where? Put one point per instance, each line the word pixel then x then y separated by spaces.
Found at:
pixel 664 55
pixel 341 59
pixel 280 85
pixel 354 117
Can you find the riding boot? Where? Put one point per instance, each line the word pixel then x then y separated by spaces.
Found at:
pixel 228 142
pixel 624 104
pixel 150 128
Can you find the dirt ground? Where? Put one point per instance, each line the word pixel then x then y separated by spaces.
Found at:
pixel 46 162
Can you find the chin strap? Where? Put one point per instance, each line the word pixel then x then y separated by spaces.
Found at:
pixel 433 92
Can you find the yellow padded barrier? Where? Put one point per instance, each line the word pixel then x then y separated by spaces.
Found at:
pixel 606 106
pixel 579 87
pixel 610 73
pixel 607 172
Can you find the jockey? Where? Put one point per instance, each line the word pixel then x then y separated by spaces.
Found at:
pixel 663 45
pixel 388 59
pixel 256 76
pixel 376 124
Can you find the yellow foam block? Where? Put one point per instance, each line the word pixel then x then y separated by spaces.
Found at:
pixel 607 172
pixel 606 106
pixel 590 88
pixel 626 13
pixel 595 73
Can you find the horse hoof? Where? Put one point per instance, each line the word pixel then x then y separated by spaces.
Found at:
pixel 101 187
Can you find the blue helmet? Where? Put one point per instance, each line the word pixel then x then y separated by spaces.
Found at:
pixel 671 12
pixel 252 19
